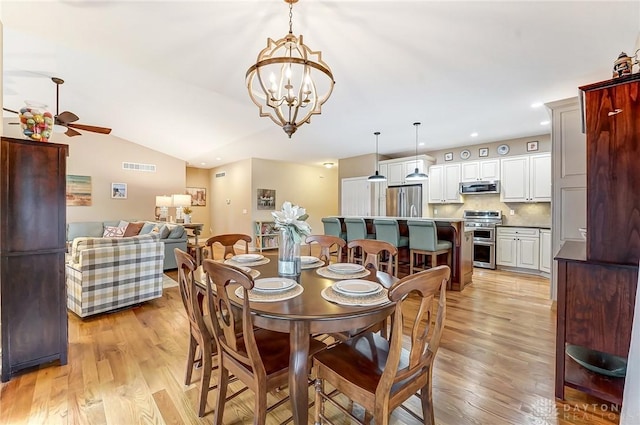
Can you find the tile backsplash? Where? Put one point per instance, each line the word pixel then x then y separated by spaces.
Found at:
pixel 525 214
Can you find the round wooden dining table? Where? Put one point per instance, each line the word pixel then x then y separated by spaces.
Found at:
pixel 302 316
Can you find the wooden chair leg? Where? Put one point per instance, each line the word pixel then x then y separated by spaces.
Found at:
pixel 190 359
pixel 319 401
pixel 205 379
pixel 427 405
pixel 411 254
pixel 223 380
pixel 260 412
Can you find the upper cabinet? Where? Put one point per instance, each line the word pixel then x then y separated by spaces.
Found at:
pixel 397 169
pixel 526 178
pixel 443 184
pixel 480 170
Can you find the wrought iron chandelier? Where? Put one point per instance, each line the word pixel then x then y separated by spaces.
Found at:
pixel 288 79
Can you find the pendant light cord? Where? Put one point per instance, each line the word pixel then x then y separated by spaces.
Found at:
pixel 416 124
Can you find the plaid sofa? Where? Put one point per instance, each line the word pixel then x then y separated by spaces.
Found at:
pixel 105 274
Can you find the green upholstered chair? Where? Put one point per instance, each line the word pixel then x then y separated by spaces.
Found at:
pixel 357 229
pixel 333 227
pixel 423 241
pixel 388 230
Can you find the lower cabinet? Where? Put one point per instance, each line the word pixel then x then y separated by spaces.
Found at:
pixel 545 250
pixel 518 247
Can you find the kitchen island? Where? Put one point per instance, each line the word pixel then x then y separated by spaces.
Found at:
pixel 449 229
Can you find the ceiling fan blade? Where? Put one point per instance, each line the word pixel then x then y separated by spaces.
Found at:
pixel 71 132
pixel 66 117
pixel 10 110
pixel 101 130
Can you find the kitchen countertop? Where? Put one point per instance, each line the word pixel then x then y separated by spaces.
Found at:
pixel 449 219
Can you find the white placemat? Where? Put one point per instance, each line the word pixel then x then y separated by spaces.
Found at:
pixel 325 272
pixel 247 263
pixel 270 296
pixel 360 300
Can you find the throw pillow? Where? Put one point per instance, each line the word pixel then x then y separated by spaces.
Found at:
pixel 176 232
pixel 123 224
pixel 148 228
pixel 164 231
pixel 133 229
pixel 113 232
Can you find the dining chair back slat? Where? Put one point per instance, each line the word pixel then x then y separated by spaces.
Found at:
pixel 228 242
pixel 372 251
pixel 326 243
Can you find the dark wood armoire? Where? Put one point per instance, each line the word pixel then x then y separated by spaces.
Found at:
pixel 33 311
pixel 597 280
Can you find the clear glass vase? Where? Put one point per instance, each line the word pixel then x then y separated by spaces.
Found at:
pixel 289 263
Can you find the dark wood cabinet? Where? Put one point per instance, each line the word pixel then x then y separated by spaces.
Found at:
pixel 597 279
pixel 33 312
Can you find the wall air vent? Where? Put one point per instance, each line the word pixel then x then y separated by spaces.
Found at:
pixel 134 166
pixel 222 174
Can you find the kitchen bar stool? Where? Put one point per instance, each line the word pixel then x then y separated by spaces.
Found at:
pixel 357 229
pixel 423 241
pixel 333 227
pixel 388 230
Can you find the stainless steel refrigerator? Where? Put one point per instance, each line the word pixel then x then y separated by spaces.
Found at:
pixel 404 201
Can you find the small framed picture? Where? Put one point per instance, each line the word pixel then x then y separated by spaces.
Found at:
pixel 483 152
pixel 532 146
pixel 448 156
pixel 118 191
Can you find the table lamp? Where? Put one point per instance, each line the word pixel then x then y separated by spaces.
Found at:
pixel 181 201
pixel 163 202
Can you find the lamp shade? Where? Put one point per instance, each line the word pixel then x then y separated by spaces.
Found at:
pixel 181 200
pixel 163 201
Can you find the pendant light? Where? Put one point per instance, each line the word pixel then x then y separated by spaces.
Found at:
pixel 416 175
pixel 377 177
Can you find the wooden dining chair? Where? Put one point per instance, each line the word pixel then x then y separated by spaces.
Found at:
pixel 382 255
pixel 380 374
pixel 258 357
pixel 228 241
pixel 326 243
pixel 200 335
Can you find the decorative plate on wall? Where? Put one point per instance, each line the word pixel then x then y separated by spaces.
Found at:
pixel 503 149
pixel 465 154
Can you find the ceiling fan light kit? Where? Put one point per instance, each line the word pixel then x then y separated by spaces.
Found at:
pixel 289 82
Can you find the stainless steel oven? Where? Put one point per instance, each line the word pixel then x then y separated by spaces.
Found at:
pixel 483 225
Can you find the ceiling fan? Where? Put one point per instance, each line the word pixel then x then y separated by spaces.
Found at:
pixel 66 118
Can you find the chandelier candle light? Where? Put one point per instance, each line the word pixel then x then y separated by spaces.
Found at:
pixel 286 80
pixel 292 225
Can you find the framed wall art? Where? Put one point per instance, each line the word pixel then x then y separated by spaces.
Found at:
pixel 78 191
pixel 448 156
pixel 266 199
pixel 532 146
pixel 198 196
pixel 118 191
pixel 482 152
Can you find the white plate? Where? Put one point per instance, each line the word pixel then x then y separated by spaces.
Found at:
pixel 345 268
pixel 308 259
pixel 247 258
pixel 273 284
pixel 357 287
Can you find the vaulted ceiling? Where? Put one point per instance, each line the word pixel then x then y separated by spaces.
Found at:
pixel 170 75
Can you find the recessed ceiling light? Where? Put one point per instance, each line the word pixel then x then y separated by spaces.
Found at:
pixel 218 158
pixel 544 122
pixel 421 144
pixel 536 104
pixel 328 164
pixel 203 163
pixel 474 134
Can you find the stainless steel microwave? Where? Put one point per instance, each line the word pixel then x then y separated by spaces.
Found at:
pixel 480 187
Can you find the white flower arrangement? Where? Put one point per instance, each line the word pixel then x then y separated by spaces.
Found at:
pixel 292 218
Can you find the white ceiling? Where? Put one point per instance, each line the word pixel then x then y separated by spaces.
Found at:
pixel 170 74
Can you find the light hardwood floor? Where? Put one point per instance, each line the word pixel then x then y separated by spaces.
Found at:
pixel 495 366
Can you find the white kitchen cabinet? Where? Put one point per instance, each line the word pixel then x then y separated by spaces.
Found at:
pixel 397 170
pixel 443 184
pixel 545 250
pixel 526 178
pixel 488 169
pixel 518 247
pixel 382 190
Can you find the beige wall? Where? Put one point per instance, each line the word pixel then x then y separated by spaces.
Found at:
pixel 230 197
pixel 313 188
pixel 101 156
pixel 200 177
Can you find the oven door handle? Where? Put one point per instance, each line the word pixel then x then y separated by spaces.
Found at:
pixel 483 243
